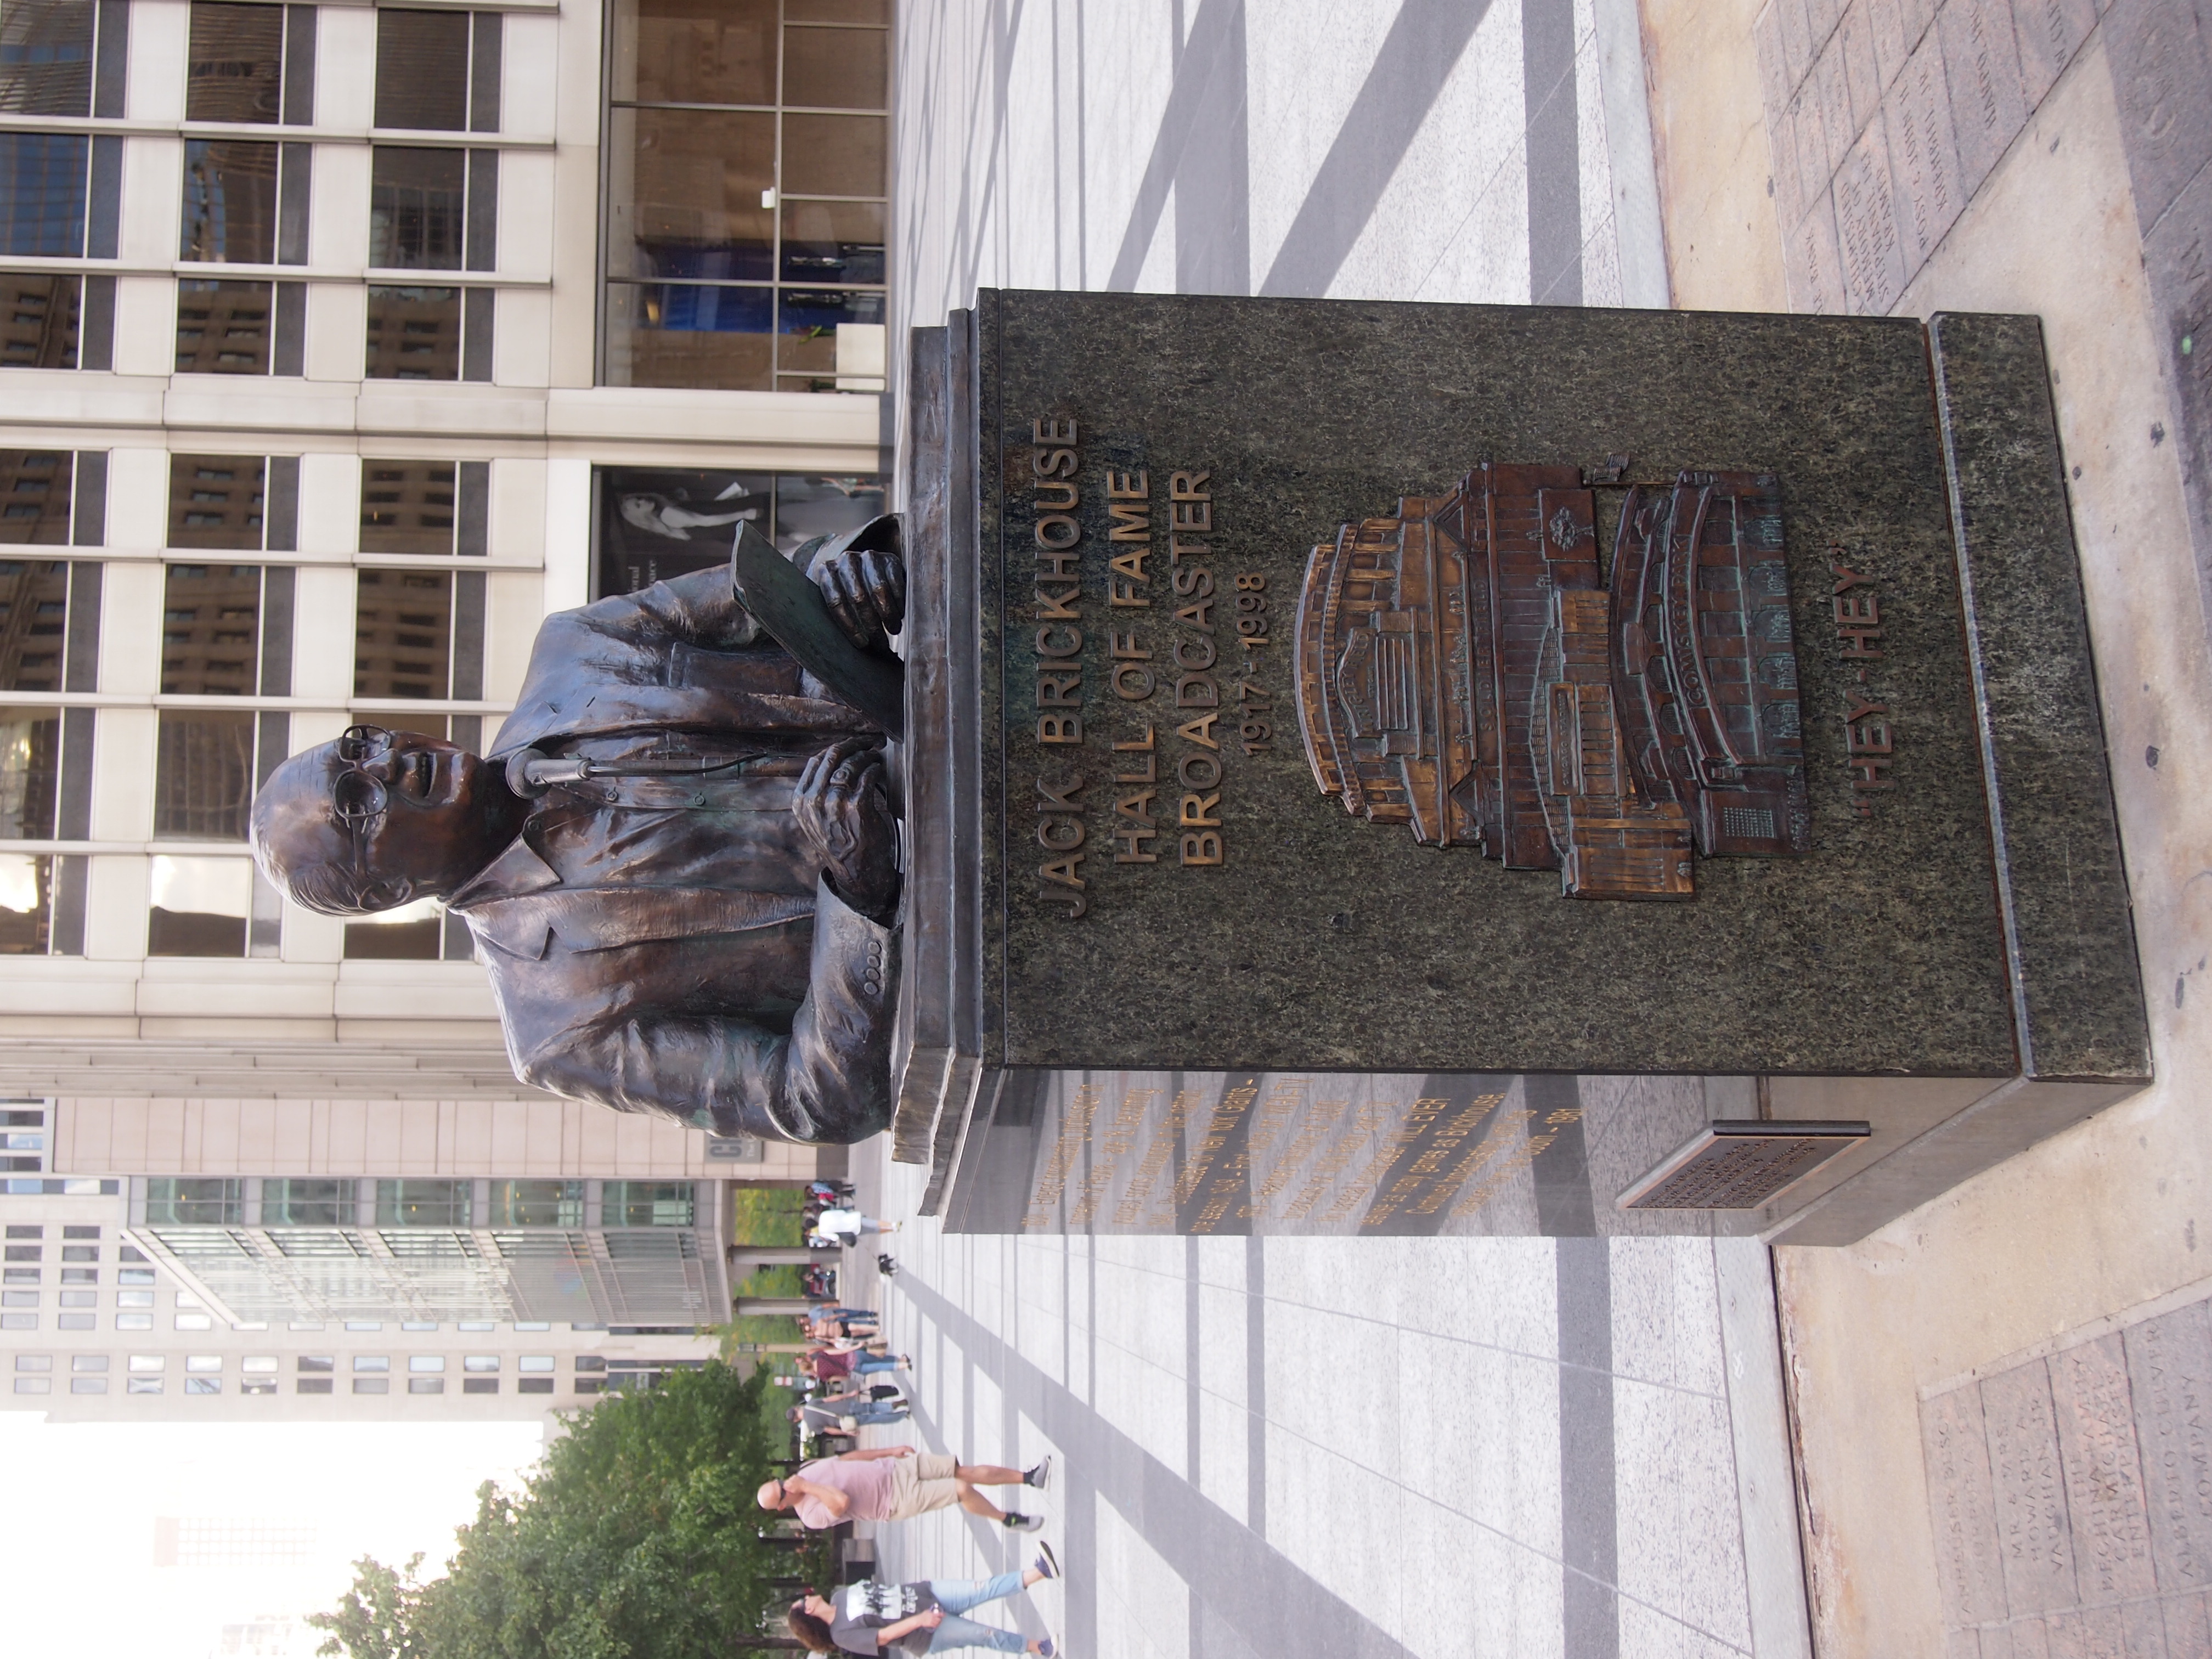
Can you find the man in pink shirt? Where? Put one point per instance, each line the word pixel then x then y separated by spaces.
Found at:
pixel 896 1483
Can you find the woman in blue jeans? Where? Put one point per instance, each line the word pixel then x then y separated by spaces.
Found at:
pixel 871 1618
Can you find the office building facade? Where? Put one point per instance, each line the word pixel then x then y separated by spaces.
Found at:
pixel 374 1259
pixel 339 343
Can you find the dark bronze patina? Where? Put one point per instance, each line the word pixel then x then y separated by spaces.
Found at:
pixel 1462 670
pixel 679 864
pixel 1735 1163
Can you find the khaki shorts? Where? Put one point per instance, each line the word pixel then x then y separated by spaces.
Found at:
pixel 921 1483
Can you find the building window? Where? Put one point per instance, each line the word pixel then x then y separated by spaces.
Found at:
pixel 429 333
pixel 60 195
pixel 42 320
pixel 479 1385
pixel 726 267
pixel 312 1385
pixel 426 1385
pixel 372 1385
pixel 422 1203
pixel 227 630
pixel 203 1385
pixel 251 63
pixel 88 1385
pixel 538 1203
pixel 317 1361
pixel 438 71
pixel 30 772
pixel 533 1385
pixel 408 932
pixel 241 328
pixel 230 201
pixel 405 637
pixel 34 1384
pixel 203 774
pixel 647 1203
pixel 306 1201
pixel 201 907
pixel 243 503
pixel 211 630
pixel 480 1362
pixel 195 1201
pixel 433 209
pixel 35 489
pixel 34 615
pixel 46 58
pixel 418 509
pixel 142 1385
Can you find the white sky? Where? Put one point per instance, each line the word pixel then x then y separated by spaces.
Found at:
pixel 76 1531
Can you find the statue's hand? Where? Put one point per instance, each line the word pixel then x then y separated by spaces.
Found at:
pixel 845 810
pixel 866 594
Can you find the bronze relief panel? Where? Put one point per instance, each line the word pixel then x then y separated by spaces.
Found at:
pixel 1466 669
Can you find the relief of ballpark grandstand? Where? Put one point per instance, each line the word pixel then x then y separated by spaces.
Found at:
pixel 1463 671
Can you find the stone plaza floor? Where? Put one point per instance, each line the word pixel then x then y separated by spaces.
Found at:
pixel 1357 1447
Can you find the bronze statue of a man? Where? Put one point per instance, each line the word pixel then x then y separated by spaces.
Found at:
pixel 697 914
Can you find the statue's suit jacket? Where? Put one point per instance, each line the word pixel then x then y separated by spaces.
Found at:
pixel 666 945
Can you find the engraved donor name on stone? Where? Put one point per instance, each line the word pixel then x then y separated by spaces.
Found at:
pixel 2034 1542
pixel 2170 1374
pixel 2104 1477
pixel 1955 1452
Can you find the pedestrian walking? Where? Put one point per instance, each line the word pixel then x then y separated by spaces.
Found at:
pixel 897 1483
pixel 825 1365
pixel 843 1226
pixel 871 1616
pixel 844 1414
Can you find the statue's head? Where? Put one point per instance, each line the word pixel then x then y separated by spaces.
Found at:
pixel 379 818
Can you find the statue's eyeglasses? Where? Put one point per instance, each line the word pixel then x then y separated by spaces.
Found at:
pixel 357 798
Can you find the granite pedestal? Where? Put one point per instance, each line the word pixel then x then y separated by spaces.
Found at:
pixel 1226 917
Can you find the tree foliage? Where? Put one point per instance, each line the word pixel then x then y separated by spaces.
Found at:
pixel 635 1538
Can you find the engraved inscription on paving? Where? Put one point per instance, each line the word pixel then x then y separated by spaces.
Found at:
pixel 1960 1504
pixel 2070 1496
pixel 2036 1544
pixel 1883 117
pixel 2104 1480
pixel 2170 1362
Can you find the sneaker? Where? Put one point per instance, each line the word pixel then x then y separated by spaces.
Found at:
pixel 1016 1522
pixel 1037 1476
pixel 1045 1649
pixel 1047 1563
